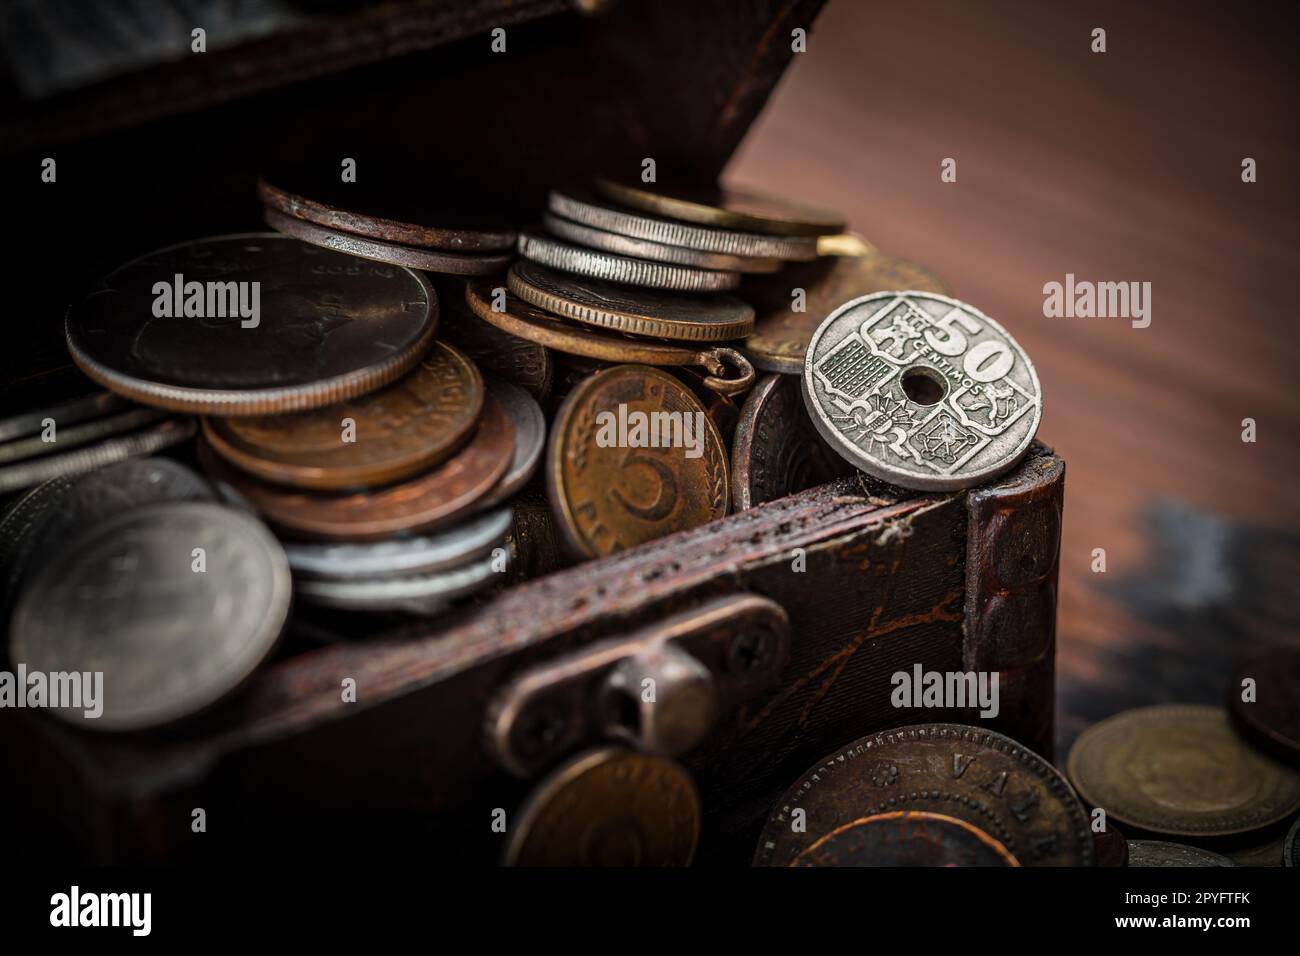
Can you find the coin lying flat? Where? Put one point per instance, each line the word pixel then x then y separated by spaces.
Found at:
pixel 519 361
pixel 387 204
pixel 608 267
pixel 776 451
pixel 416 554
pixel 530 440
pixel 975 775
pixel 656 251
pixel 95 405
pixel 44 519
pixel 423 593
pixel 609 807
pixel 124 599
pixel 669 315
pixel 632 457
pixel 906 838
pixel 1272 719
pixel 1182 771
pixel 145 441
pixel 329 327
pixel 727 208
pixel 374 439
pixel 435 498
pixel 921 390
pixel 1159 853
pixel 590 212
pixel 780 339
pixel 409 257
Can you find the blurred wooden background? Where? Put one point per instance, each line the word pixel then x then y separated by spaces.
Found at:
pixel 1122 166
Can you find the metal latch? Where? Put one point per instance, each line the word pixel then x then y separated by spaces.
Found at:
pixel 658 689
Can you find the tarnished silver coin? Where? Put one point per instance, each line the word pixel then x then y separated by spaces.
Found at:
pixel 95 405
pixel 146 441
pixel 921 390
pixel 776 451
pixel 1160 853
pixel 590 212
pixel 75 436
pixel 530 440
pixel 658 251
pixel 18 526
pixel 174 604
pixel 68 505
pixel 415 594
pixel 418 554
pixel 594 264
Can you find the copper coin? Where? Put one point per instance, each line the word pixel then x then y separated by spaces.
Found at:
pixel 435 498
pixel 976 775
pixel 727 208
pixel 393 202
pixel 378 438
pixel 776 450
pixel 632 457
pixel 660 314
pixel 1143 853
pixel 328 327
pixel 906 838
pixel 410 257
pixel 518 360
pixel 1272 719
pixel 780 339
pixel 608 807
pixel 1181 770
pixel 656 251
pixel 1111 846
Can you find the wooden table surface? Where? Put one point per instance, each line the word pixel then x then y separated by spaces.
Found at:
pixel 1120 166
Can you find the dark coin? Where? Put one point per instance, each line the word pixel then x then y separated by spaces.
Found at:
pixel 669 315
pixel 657 251
pixel 776 451
pixel 1272 720
pixel 1181 770
pixel 1291 846
pixel 530 440
pixel 906 838
pixel 96 405
pixel 624 270
pixel 632 457
pixel 780 339
pixel 410 257
pixel 391 202
pixel 976 775
pixel 511 357
pixel 135 444
pixel 125 598
pixel 396 431
pixel 434 499
pixel 61 508
pixel 329 327
pixel 609 807
pixel 1159 853
pixel 1111 846
pixel 75 436
pixel 725 208
pixel 534 539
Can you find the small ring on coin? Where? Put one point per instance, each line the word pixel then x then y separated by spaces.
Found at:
pixel 715 360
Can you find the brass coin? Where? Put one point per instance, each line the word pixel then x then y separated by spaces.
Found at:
pixel 619 470
pixel 1158 853
pixel 727 208
pixel 410 257
pixel 403 428
pixel 430 500
pixel 1181 770
pixel 658 251
pixel 329 327
pixel 512 357
pixel 392 204
pixel 780 339
pixel 524 321
pixel 624 270
pixel 609 807
pixel 776 450
pixel 906 838
pixel 978 776
pixel 669 315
